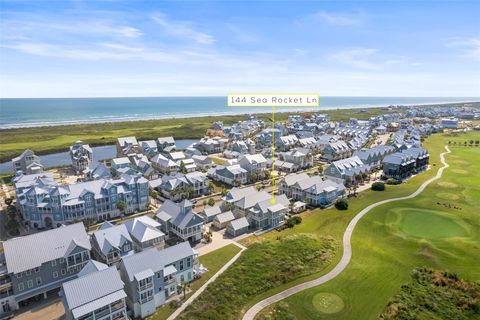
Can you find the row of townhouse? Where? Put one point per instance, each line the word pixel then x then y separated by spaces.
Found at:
pixel 401 165
pixel 61 261
pixel 44 203
pixel 374 156
pixel 314 190
pixel 348 169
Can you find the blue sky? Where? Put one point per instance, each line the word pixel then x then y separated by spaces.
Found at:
pixel 177 48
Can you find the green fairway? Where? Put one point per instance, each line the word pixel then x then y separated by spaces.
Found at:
pixel 327 302
pixel 439 229
pixel 426 224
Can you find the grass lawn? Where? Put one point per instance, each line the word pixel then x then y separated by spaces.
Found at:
pixel 439 229
pixel 213 261
pixel 262 267
pixel 43 140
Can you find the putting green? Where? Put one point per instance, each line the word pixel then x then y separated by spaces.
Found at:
pixel 429 224
pixel 448 196
pixel 449 185
pixel 327 302
pixel 460 171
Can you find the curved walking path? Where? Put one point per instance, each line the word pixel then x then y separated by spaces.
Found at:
pixel 205 285
pixel 347 249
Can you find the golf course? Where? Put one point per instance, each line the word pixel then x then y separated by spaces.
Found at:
pixel 439 229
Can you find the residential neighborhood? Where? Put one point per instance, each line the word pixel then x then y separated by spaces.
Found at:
pixel 138 220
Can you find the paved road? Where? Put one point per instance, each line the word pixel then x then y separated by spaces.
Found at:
pixel 347 250
pixel 202 288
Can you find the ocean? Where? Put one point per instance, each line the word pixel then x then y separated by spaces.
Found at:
pixel 18 113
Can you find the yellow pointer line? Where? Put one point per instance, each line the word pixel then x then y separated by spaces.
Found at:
pixel 273 154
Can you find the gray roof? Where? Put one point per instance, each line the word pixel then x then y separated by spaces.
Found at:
pixel 155 259
pixel 239 223
pixel 92 291
pixel 91 267
pixel 31 251
pixel 236 194
pixel 211 211
pixel 253 199
pixel 111 237
pixel 225 217
pixel 143 228
pixel 181 214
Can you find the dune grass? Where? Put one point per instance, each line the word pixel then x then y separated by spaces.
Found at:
pixel 454 298
pixel 391 240
pixel 262 267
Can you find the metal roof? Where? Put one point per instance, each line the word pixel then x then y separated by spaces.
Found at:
pixel 31 251
pixel 155 259
pixel 92 291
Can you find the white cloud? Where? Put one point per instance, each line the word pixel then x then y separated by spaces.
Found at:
pixel 371 59
pixel 358 57
pixel 470 47
pixel 338 19
pixel 182 29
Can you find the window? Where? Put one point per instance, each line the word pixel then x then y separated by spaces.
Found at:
pixel 28 272
pixel 20 286
pixel 182 278
pixel 37 269
pixel 39 281
pixel 55 274
pixel 159 275
pixel 189 262
pixel 30 283
pixel 181 264
pixel 64 272
pixel 18 275
pixel 54 263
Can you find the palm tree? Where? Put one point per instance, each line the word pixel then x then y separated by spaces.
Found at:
pixel 121 205
pixel 184 286
pixel 348 181
pixel 228 206
pixel 211 185
pixel 355 187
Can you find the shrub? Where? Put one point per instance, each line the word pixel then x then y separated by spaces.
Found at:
pixel 211 202
pixel 290 222
pixel 297 219
pixel 392 181
pixel 378 186
pixel 341 204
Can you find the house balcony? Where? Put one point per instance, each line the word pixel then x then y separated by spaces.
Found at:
pixel 119 316
pixel 145 287
pixel 117 306
pixel 5 284
pixel 101 314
